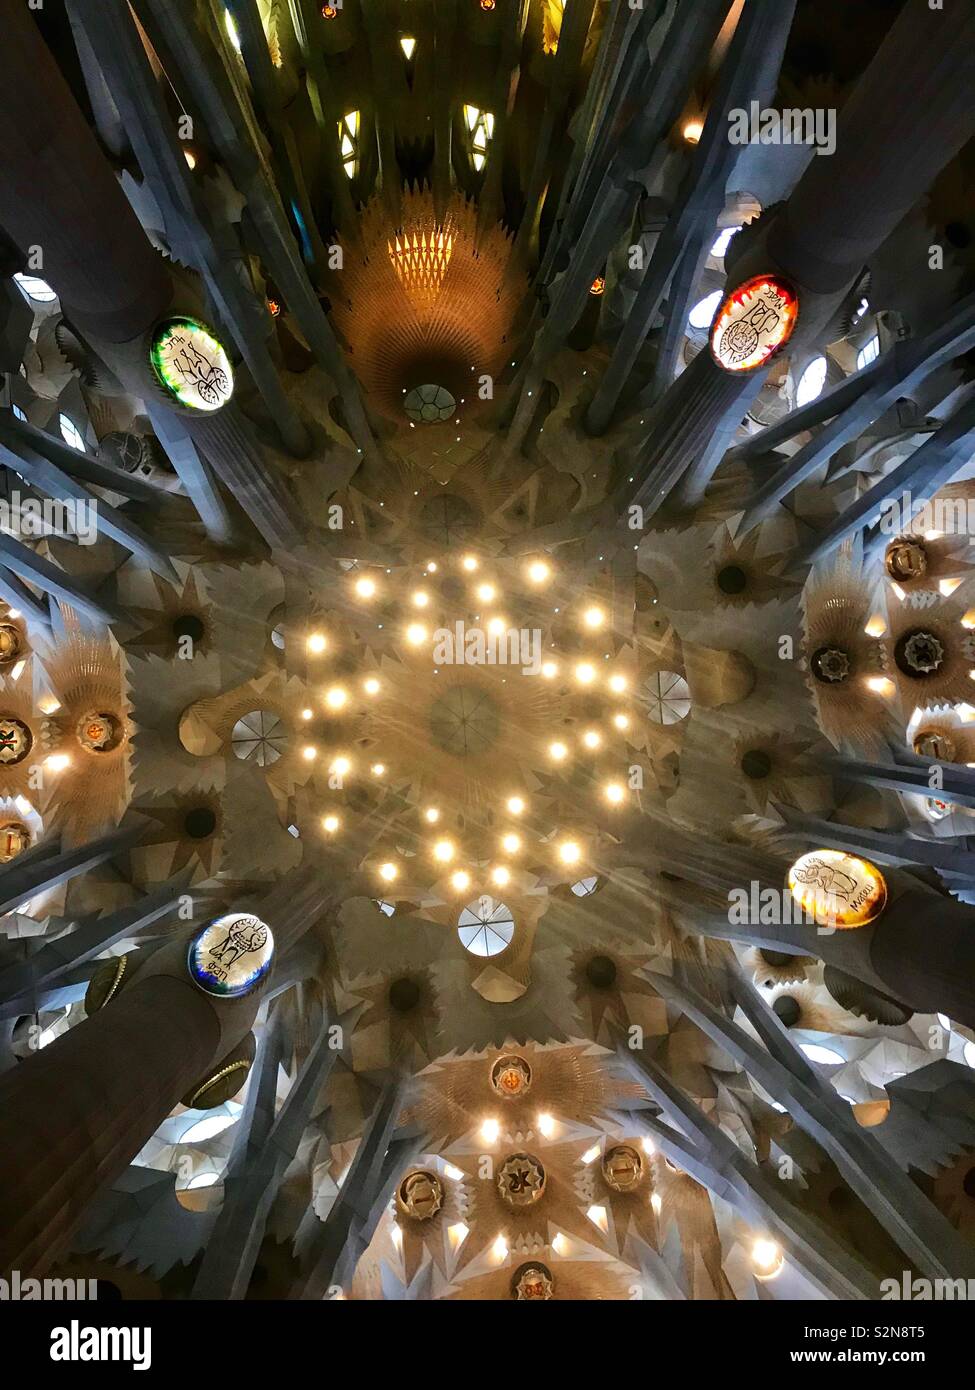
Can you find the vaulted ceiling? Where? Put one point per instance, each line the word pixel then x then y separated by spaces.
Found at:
pixel 484 495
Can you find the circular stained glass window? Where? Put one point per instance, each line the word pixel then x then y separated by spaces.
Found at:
pixel 192 364
pixel 754 321
pixel 668 697
pixel 259 737
pixel 486 927
pixel 429 404
pixel 232 955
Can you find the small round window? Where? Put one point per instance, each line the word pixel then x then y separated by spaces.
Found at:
pixel 259 737
pixel 486 927
pixel 668 697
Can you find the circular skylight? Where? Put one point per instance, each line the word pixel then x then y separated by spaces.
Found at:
pixel 668 697
pixel 259 737
pixel 485 927
pixel 429 404
pixel 811 382
pixel 32 287
pixel 704 310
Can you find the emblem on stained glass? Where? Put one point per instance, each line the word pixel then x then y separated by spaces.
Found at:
pixel 420 1195
pixel 754 321
pixel 511 1076
pixel 838 889
pixel 232 955
pixel 533 1283
pixel 14 839
pixel 521 1180
pixel 192 364
pixel 623 1167
pixel 16 740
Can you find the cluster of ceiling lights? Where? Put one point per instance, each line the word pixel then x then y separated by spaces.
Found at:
pixel 568 853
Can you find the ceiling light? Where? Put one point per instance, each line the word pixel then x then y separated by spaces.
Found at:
pixel 692 132
pixel 591 1155
pixel 617 684
pixel 622 721
pixel 511 843
pixel 371 686
pixel 388 871
pixel 490 1129
pixel 496 626
pixel 378 769
pixel 614 793
pixel 591 738
pixel 594 617
pixel 460 881
pixel 455 1174
pixel 546 1125
pixel 457 1234
pixel 538 572
pixel 306 714
pixel 443 851
pixel 767 1259
pixel 317 643
pixel 557 751
pixel 432 567
pixel 486 592
pixel 432 814
pixel 656 1203
pixel 365 588
pixel 515 805
pixel 341 766
pixel 500 876
pixel 647 1145
pixel 415 634
pixel 421 598
pixel 560 1244
pixel 500 1248
pixel 190 158
pixel 309 753
pixel 336 697
pixel 549 669
pixel 57 762
pixel 407 44
pixel 469 563
pixel 585 673
pixel 331 824
pixel 569 852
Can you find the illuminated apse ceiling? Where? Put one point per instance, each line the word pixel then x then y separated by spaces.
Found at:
pixel 487 631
